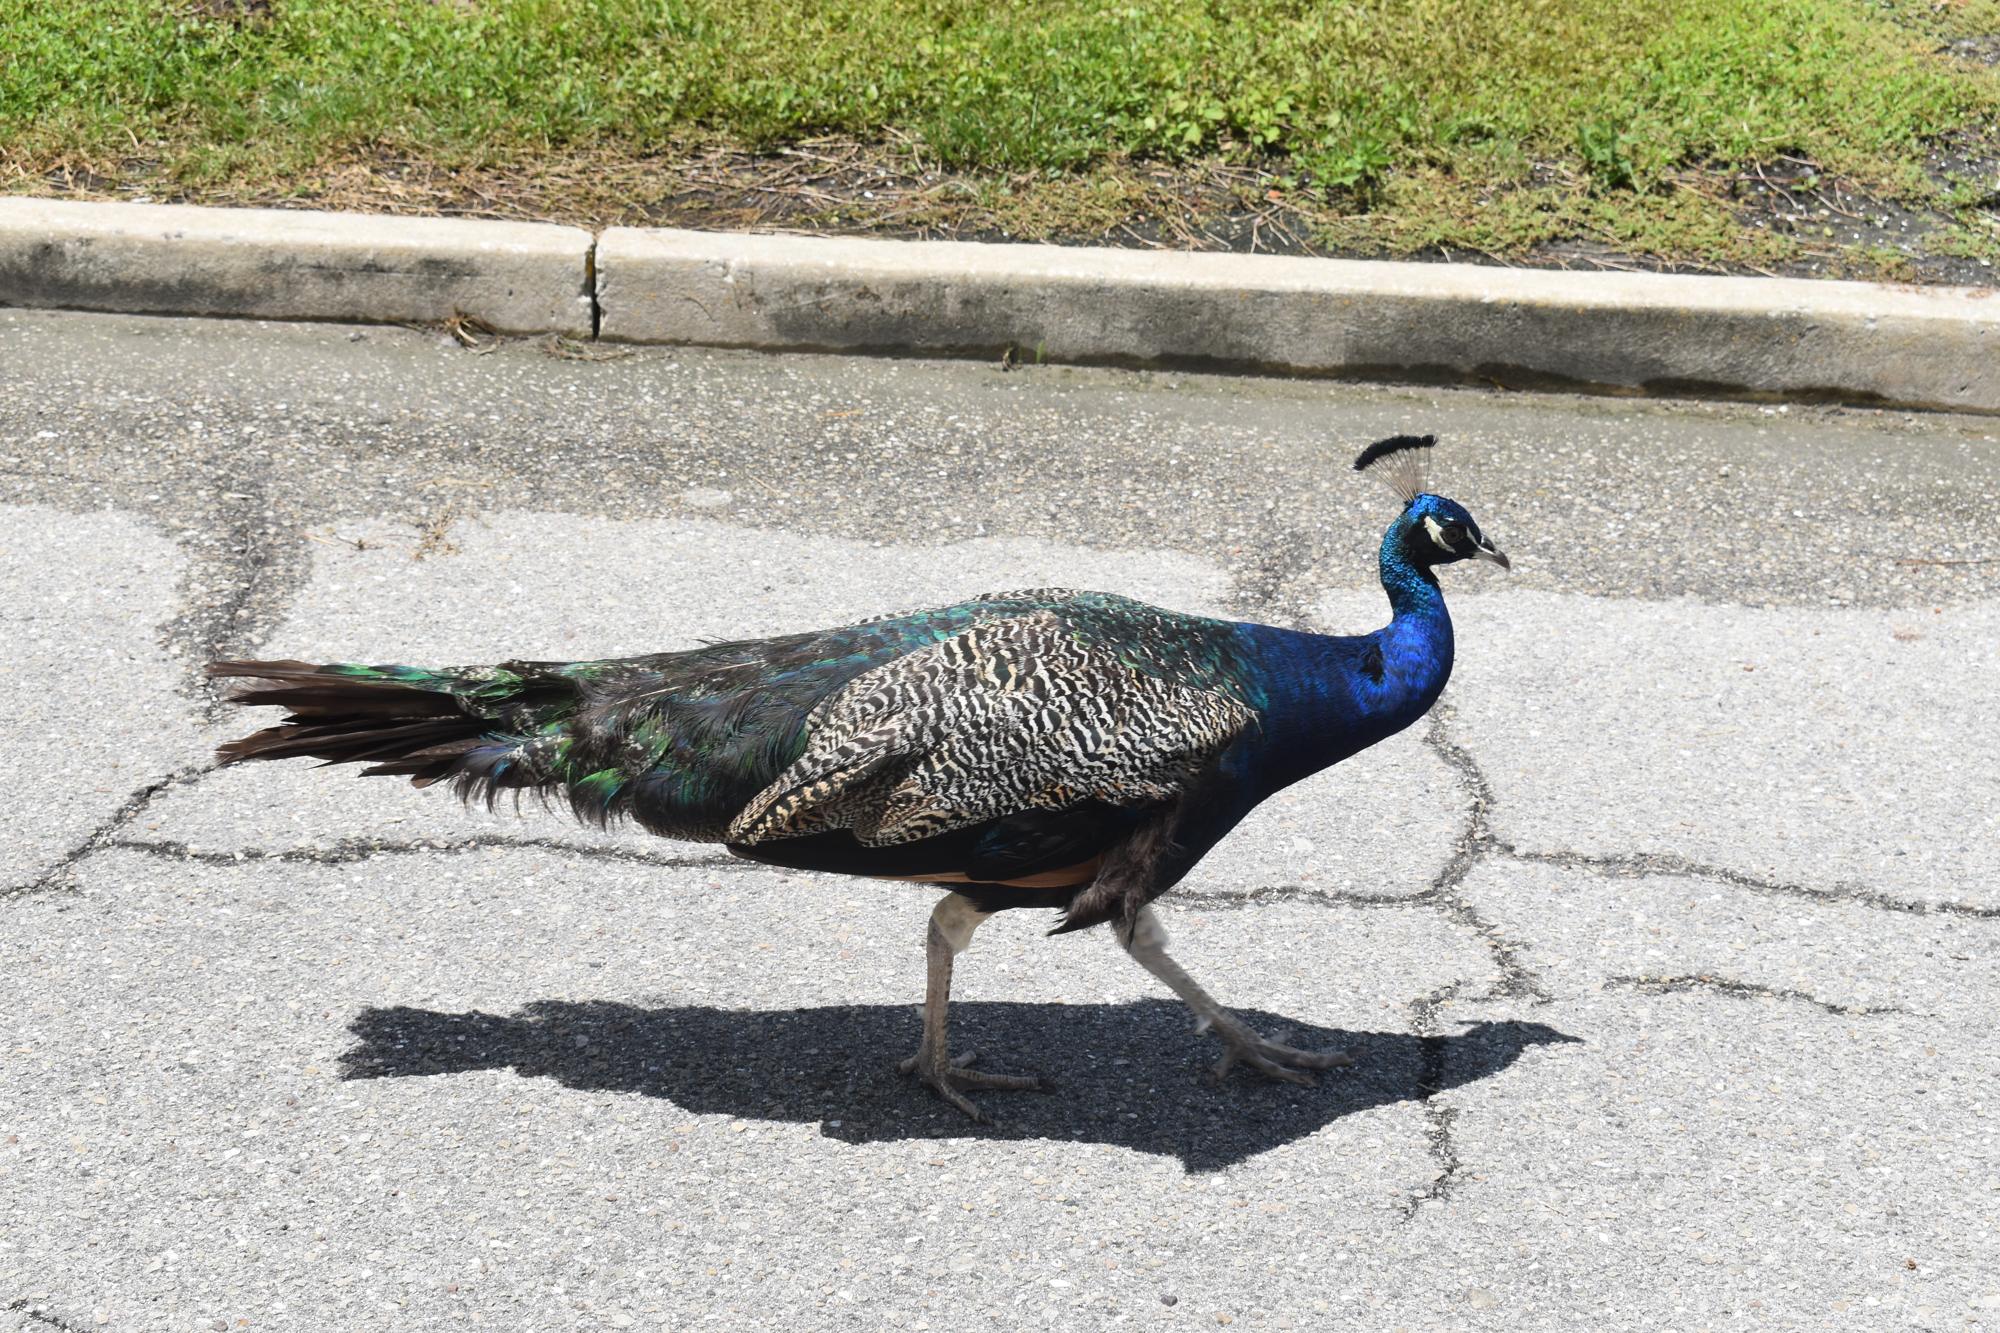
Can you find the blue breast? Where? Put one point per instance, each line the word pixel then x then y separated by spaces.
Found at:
pixel 1334 696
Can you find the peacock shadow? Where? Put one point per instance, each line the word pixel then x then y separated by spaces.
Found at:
pixel 1130 1075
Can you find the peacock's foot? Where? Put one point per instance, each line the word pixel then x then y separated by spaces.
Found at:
pixel 946 1076
pixel 1272 1059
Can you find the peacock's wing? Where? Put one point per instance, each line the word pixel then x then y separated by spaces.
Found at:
pixel 1089 698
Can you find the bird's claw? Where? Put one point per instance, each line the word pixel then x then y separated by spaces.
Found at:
pixel 1274 1059
pixel 946 1075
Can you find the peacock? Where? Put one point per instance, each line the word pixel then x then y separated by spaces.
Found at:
pixel 1048 748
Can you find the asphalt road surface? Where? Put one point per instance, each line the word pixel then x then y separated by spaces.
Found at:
pixel 1668 945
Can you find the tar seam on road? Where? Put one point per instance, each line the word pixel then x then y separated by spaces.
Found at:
pixel 346 851
pixel 1747 990
pixel 1437 1119
pixel 1216 900
pixel 56 877
pixel 1476 842
pixel 1645 865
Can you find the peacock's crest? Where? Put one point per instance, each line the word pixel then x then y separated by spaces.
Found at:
pixel 1399 463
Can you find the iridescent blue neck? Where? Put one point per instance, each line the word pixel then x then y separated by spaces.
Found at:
pixel 1416 644
pixel 1333 695
pixel 1413 591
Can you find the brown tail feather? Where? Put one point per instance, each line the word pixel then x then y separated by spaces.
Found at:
pixel 307 691
pixel 338 719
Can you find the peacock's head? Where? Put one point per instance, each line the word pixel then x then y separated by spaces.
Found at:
pixel 1432 530
pixel 1441 531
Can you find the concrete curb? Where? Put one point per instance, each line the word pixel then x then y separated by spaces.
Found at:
pixel 1764 338
pixel 264 263
pixel 1624 332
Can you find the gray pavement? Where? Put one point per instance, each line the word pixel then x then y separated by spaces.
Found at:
pixel 1668 946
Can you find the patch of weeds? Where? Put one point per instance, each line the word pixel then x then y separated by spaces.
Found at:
pixel 1606 155
pixel 1880 262
pixel 1978 243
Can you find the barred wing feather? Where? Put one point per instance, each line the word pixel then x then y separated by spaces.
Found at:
pixel 1028 712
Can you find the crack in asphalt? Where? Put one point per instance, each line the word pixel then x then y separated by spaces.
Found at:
pixel 1437 1119
pixel 346 851
pixel 40 1314
pixel 1747 990
pixel 1475 843
pixel 1224 900
pixel 57 876
pixel 1642 865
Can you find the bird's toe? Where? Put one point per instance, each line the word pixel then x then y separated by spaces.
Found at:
pixel 1274 1059
pixel 948 1077
pixel 1332 1059
pixel 966 1078
pixel 1312 1059
pixel 1263 1064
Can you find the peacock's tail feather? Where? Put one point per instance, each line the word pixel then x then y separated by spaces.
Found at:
pixel 404 721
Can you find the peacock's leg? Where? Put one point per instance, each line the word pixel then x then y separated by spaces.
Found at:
pixel 1148 944
pixel 952 924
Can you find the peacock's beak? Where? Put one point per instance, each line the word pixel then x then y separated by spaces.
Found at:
pixel 1486 550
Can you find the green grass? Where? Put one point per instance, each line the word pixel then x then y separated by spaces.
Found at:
pixel 1412 111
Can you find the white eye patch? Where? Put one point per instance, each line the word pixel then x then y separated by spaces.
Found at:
pixel 1436 532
